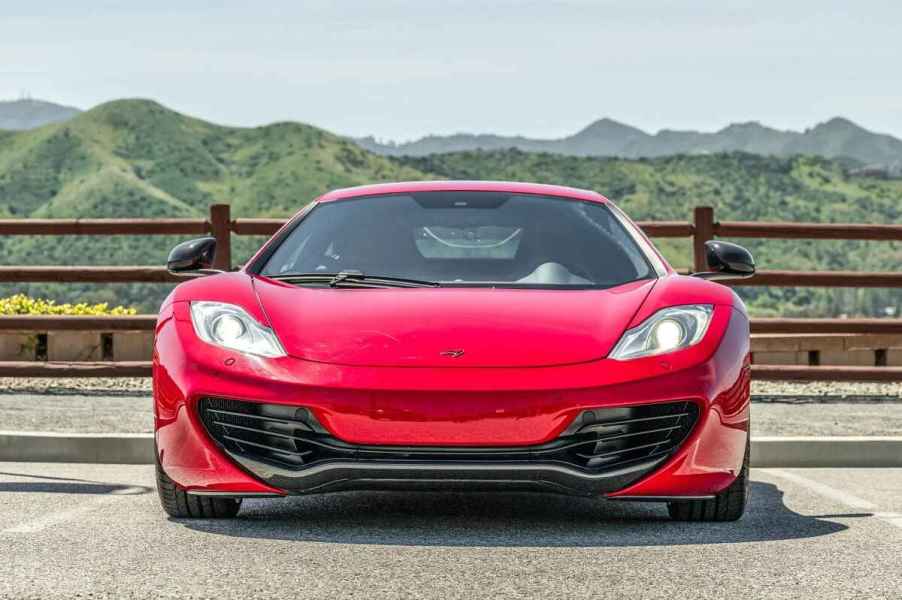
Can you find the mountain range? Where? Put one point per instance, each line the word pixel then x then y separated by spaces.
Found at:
pixel 28 114
pixel 837 138
pixel 137 158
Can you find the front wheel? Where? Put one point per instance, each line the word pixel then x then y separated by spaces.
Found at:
pixel 180 504
pixel 728 505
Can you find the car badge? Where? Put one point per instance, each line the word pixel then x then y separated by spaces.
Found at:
pixel 452 353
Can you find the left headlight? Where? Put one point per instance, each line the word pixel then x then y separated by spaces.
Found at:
pixel 231 327
pixel 667 330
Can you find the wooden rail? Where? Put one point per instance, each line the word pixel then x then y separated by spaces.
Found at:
pixel 808 231
pixel 256 226
pixel 104 227
pixel 802 373
pixel 856 279
pixel 667 229
pixel 87 275
pixel 826 326
pixel 144 274
pixel 220 225
pixel 44 323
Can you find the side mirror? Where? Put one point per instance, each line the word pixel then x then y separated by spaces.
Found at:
pixel 727 261
pixel 194 256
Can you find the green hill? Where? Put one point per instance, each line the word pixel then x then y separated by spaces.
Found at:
pixel 136 158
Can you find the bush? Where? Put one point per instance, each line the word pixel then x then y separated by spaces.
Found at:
pixel 20 304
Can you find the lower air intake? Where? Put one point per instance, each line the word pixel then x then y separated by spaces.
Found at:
pixel 599 441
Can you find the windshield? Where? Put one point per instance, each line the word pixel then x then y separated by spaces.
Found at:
pixel 465 239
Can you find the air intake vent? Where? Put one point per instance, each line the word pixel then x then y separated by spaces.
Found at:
pixel 609 438
pixel 599 441
pixel 270 432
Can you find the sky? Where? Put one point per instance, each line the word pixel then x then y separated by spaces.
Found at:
pixel 400 69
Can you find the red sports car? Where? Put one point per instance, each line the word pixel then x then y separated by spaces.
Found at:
pixel 454 336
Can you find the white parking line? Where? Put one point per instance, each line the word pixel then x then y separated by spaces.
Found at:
pixel 62 516
pixel 840 496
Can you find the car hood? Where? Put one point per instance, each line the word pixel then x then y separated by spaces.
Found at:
pixel 449 327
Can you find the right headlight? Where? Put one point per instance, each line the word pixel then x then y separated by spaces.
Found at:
pixel 231 327
pixel 667 330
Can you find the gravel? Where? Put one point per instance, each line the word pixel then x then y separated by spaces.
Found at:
pixel 57 386
pixel 825 391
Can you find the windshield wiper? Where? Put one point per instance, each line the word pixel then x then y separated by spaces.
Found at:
pixel 352 279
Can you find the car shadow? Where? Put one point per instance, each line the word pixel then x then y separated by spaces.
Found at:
pixel 504 520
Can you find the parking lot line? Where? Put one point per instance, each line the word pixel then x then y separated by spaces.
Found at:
pixel 64 516
pixel 840 496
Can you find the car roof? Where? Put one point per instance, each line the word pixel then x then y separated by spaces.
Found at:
pixel 407 187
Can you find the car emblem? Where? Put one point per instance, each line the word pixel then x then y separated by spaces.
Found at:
pixel 452 353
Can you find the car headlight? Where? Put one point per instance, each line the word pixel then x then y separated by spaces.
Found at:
pixel 667 330
pixel 231 327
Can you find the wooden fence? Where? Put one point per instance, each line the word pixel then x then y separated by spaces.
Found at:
pixel 221 225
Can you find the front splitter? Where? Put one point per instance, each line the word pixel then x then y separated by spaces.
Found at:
pixel 336 476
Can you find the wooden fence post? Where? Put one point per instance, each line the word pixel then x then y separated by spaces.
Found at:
pixel 221 228
pixel 704 231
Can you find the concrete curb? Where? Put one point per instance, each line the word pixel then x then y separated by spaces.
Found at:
pixel 42 446
pixel 137 448
pixel 834 451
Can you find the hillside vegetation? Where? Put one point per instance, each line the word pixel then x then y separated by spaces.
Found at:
pixel 135 158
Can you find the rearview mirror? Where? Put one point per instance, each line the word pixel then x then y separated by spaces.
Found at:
pixel 727 261
pixel 193 256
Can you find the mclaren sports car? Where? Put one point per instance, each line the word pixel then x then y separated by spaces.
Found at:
pixel 465 336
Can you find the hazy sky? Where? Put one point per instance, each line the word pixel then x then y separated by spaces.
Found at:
pixel 400 69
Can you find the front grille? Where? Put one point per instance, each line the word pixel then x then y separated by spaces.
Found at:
pixel 599 441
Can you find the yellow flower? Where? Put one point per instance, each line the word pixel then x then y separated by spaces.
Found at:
pixel 20 304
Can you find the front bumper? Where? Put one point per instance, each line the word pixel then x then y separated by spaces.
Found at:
pixel 603 450
pixel 408 412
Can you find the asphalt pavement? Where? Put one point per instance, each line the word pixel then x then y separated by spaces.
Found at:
pixel 97 531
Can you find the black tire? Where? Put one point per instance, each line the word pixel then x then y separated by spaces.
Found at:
pixel 729 505
pixel 182 505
